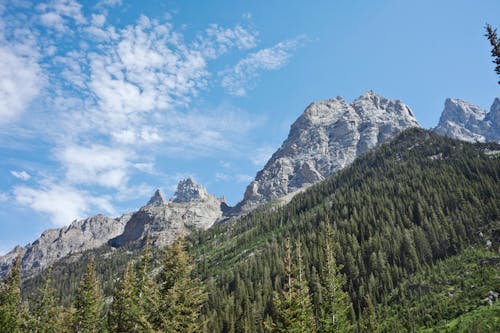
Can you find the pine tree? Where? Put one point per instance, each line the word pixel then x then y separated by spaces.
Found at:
pixel 45 315
pixel 146 287
pixel 88 302
pixel 126 313
pixel 181 295
pixel 337 303
pixel 491 34
pixel 293 306
pixel 10 300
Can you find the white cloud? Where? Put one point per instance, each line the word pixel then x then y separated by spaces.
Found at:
pixel 62 203
pixel 218 40
pixel 95 165
pixel 23 175
pixel 237 80
pixel 56 14
pixel 4 197
pixel 20 82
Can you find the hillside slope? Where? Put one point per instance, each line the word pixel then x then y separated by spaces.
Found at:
pixel 397 209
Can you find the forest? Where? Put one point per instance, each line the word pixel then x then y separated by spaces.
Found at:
pixel 405 239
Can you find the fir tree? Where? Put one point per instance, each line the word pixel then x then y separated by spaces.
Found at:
pixel 293 306
pixel 126 314
pixel 10 300
pixel 337 303
pixel 45 315
pixel 181 295
pixel 88 302
pixel 491 34
pixel 146 287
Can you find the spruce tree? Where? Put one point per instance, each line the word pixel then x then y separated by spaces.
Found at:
pixel 293 306
pixel 10 300
pixel 126 313
pixel 45 315
pixel 88 302
pixel 181 295
pixel 491 34
pixel 146 287
pixel 337 303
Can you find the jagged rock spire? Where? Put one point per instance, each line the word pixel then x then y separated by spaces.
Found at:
pixel 157 199
pixel 189 191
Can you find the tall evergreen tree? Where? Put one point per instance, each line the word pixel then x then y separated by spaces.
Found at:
pixel 88 302
pixel 126 314
pixel 181 295
pixel 46 315
pixel 10 300
pixel 146 287
pixel 491 34
pixel 293 306
pixel 337 303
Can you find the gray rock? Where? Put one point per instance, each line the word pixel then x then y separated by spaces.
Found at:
pixel 189 191
pixel 327 137
pixel 465 121
pixel 55 244
pixel 190 208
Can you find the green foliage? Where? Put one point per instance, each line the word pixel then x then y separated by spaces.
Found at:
pixel 181 296
pixel 89 303
pixel 126 313
pixel 336 303
pixel 397 212
pixel 450 289
pixel 294 311
pixel 46 316
pixel 491 34
pixel 10 300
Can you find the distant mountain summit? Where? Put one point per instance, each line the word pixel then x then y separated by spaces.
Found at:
pixel 189 191
pixel 328 136
pixel 468 122
pixel 190 208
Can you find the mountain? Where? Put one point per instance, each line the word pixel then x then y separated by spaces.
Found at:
pixel 55 244
pixel 327 137
pixel 400 211
pixel 190 208
pixel 465 121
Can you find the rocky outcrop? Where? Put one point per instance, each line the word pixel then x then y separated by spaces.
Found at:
pixel 465 121
pixel 191 207
pixel 55 244
pixel 328 136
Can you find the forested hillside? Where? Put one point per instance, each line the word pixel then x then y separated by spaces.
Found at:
pixel 397 212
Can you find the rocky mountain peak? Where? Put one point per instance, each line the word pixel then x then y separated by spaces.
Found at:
pixel 465 121
pixel 157 199
pixel 328 136
pixel 189 191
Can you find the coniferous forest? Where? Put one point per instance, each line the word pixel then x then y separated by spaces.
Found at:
pixel 406 239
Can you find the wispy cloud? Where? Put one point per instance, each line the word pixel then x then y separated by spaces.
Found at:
pixel 240 78
pixel 110 98
pixel 20 78
pixel 62 203
pixel 23 175
pixel 56 14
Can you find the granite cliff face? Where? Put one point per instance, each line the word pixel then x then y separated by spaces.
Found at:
pixel 465 121
pixel 328 136
pixel 191 207
pixel 55 244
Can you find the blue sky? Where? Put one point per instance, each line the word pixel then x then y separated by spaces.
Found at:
pixel 103 102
